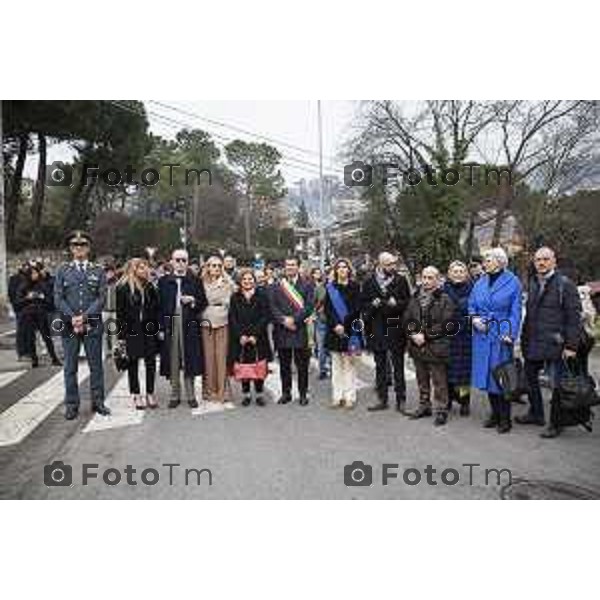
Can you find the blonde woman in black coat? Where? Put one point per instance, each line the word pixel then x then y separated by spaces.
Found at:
pixel 137 318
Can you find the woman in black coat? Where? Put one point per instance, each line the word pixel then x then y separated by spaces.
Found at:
pixel 34 302
pixel 137 319
pixel 249 317
pixel 458 287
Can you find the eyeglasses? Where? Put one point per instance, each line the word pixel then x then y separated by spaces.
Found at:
pixel 183 260
pixel 79 244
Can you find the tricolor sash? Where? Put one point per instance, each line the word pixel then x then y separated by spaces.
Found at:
pixel 292 294
pixel 355 342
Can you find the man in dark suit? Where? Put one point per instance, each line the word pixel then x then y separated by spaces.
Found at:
pixel 385 296
pixel 181 303
pixel 292 311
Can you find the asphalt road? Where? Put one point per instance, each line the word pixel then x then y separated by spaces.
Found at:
pixel 274 452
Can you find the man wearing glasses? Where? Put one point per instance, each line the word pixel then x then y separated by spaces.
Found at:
pixel 182 300
pixel 79 295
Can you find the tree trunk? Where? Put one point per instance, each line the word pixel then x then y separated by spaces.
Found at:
pixel 505 196
pixel 14 199
pixel 79 212
pixel 39 194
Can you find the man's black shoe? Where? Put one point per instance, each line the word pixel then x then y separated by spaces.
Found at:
pixel 260 401
pixel 56 362
pixel 504 426
pixel 440 419
pixel 379 406
pixel 529 419
pixel 174 403
pixel 550 432
pixel 323 376
pixel 35 363
pixel 101 409
pixel 193 403
pixel 401 407
pixel 285 399
pixel 71 413
pixel 420 413
pixel 303 400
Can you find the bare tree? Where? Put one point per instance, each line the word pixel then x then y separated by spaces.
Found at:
pixel 548 144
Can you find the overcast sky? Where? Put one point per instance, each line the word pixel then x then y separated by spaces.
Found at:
pixel 292 126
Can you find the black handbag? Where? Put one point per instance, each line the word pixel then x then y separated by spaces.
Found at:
pixel 120 357
pixel 576 389
pixel 511 379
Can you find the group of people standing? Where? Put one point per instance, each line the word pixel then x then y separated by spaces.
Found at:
pixel 457 329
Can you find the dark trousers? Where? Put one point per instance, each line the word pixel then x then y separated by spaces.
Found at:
pixel 259 385
pixel 436 374
pixel 33 322
pixel 382 373
pixel 133 376
pixel 500 407
pixel 554 368
pixel 93 351
pixel 301 358
pixel 24 338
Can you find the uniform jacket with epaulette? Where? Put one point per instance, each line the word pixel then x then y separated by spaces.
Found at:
pixel 80 293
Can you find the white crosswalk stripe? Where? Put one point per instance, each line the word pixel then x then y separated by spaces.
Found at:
pixel 20 419
pixel 123 413
pixel 9 376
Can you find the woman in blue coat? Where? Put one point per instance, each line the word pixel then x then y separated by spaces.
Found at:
pixel 495 312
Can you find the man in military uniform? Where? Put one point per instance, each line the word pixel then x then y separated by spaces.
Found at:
pixel 79 295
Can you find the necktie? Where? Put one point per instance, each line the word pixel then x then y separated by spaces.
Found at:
pixel 178 300
pixel 81 267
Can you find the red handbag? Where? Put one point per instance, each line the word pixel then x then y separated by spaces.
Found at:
pixel 257 369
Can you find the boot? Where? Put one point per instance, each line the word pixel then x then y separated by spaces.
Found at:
pixel 550 432
pixel 401 405
pixel 494 419
pixel 504 424
pixel 441 418
pixel 421 413
pixel 465 406
pixel 101 409
pixel 381 404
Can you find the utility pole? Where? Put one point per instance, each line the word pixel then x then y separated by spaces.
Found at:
pixel 321 191
pixel 247 219
pixel 3 273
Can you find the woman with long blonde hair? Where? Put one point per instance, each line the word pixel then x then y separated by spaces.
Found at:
pixel 137 319
pixel 218 288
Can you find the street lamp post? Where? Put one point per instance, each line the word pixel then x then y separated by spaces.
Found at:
pixel 321 194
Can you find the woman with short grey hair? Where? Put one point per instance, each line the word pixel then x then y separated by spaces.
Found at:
pixel 495 309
